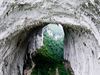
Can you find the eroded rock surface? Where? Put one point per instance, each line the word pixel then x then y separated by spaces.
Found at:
pixel 82 39
pixel 81 49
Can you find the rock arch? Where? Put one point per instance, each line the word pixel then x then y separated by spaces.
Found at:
pixel 80 20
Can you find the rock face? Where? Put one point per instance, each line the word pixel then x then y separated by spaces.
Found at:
pixel 14 51
pixel 81 49
pixel 79 18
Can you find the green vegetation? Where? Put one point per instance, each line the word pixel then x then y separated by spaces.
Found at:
pixel 49 58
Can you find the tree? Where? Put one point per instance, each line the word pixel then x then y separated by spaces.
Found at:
pixel 49 57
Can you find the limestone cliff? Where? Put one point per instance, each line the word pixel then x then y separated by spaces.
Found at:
pixel 79 18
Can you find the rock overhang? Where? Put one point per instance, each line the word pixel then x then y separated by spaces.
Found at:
pixel 20 16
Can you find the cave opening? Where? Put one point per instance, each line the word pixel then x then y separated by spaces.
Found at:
pixel 48 58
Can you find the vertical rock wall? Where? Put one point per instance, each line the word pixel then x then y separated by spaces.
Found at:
pixel 13 55
pixel 35 41
pixel 14 50
pixel 81 50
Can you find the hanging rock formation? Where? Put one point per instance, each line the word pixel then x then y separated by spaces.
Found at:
pixel 80 20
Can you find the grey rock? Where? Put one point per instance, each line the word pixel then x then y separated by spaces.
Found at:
pixel 79 18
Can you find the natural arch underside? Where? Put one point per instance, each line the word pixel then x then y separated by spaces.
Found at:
pixel 21 20
pixel 80 50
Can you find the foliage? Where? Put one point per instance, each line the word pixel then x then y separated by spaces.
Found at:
pixel 49 57
pixel 55 48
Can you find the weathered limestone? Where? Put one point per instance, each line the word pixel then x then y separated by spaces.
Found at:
pixel 18 17
pixel 14 52
pixel 81 49
pixel 35 41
